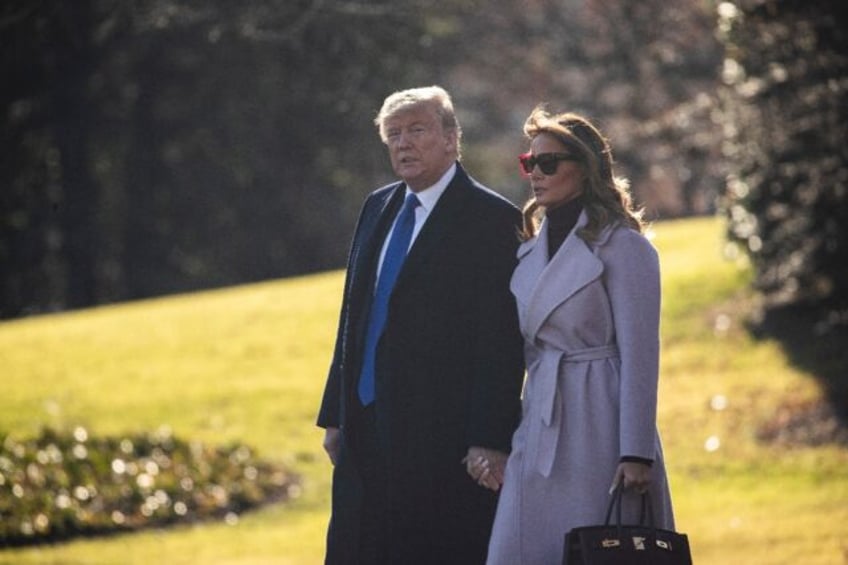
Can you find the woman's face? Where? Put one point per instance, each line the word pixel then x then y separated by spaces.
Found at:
pixel 566 182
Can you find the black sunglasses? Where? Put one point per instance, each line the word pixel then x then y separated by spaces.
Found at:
pixel 548 162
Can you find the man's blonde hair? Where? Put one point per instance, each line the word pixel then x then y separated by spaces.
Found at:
pixel 436 96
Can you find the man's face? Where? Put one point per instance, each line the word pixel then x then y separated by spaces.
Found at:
pixel 420 149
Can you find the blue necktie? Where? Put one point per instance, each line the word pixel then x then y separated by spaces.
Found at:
pixel 392 262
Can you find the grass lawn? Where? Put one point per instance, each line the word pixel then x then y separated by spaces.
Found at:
pixel 248 364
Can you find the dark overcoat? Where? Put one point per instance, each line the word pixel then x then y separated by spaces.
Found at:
pixel 449 371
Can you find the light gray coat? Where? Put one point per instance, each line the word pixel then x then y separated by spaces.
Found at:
pixel 590 320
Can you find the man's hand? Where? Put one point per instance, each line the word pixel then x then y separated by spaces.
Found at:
pixel 486 466
pixel 332 437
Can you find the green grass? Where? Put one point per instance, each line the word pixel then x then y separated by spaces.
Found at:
pixel 248 364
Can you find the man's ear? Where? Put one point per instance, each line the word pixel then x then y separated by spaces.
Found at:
pixel 450 137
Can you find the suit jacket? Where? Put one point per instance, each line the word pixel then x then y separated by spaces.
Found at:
pixel 590 318
pixel 448 374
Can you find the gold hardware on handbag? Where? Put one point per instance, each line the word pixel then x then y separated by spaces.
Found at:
pixel 621 544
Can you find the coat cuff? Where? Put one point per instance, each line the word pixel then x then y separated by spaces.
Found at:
pixel 635 459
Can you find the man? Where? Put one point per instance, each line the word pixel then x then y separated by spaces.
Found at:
pixel 428 364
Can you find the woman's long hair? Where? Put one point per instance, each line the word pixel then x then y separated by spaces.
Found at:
pixel 606 198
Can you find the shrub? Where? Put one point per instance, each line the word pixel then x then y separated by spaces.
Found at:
pixel 786 122
pixel 66 484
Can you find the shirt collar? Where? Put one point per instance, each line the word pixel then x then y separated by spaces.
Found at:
pixel 430 195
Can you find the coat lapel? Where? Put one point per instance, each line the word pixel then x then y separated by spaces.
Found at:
pixel 572 267
pixel 532 260
pixel 374 230
pixel 442 219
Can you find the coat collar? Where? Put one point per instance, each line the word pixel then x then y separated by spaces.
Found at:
pixel 375 225
pixel 543 285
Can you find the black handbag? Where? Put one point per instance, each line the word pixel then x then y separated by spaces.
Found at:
pixel 620 544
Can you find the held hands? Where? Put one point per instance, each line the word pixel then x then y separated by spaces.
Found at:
pixel 486 466
pixel 635 475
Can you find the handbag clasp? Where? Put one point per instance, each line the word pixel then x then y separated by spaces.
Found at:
pixel 610 542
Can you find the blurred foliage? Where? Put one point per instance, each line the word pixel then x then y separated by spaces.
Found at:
pixel 786 105
pixel 646 72
pixel 66 484
pixel 157 146
pixel 786 122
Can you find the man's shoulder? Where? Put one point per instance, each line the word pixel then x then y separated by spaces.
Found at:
pixel 488 197
pixel 384 191
pixel 495 207
pixel 379 196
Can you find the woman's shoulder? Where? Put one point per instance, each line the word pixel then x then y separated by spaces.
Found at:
pixel 620 238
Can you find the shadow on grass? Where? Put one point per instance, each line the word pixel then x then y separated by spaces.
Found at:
pixel 821 349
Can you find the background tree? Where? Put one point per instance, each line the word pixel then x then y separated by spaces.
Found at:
pixel 786 122
pixel 646 71
pixel 162 146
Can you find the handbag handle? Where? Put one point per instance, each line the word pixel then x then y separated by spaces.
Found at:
pixel 651 537
pixel 645 508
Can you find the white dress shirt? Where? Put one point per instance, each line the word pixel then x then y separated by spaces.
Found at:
pixel 428 199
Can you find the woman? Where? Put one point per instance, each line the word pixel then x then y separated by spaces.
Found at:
pixel 587 288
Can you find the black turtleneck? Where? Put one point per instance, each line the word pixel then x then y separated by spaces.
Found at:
pixel 561 221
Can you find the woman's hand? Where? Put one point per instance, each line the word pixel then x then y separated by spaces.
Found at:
pixel 486 466
pixel 636 476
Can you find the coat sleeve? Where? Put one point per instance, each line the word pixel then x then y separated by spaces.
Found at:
pixel 632 278
pixel 330 412
pixel 498 367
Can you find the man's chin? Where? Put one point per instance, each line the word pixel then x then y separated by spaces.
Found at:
pixel 409 174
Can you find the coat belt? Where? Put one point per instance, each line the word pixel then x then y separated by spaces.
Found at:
pixel 544 439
